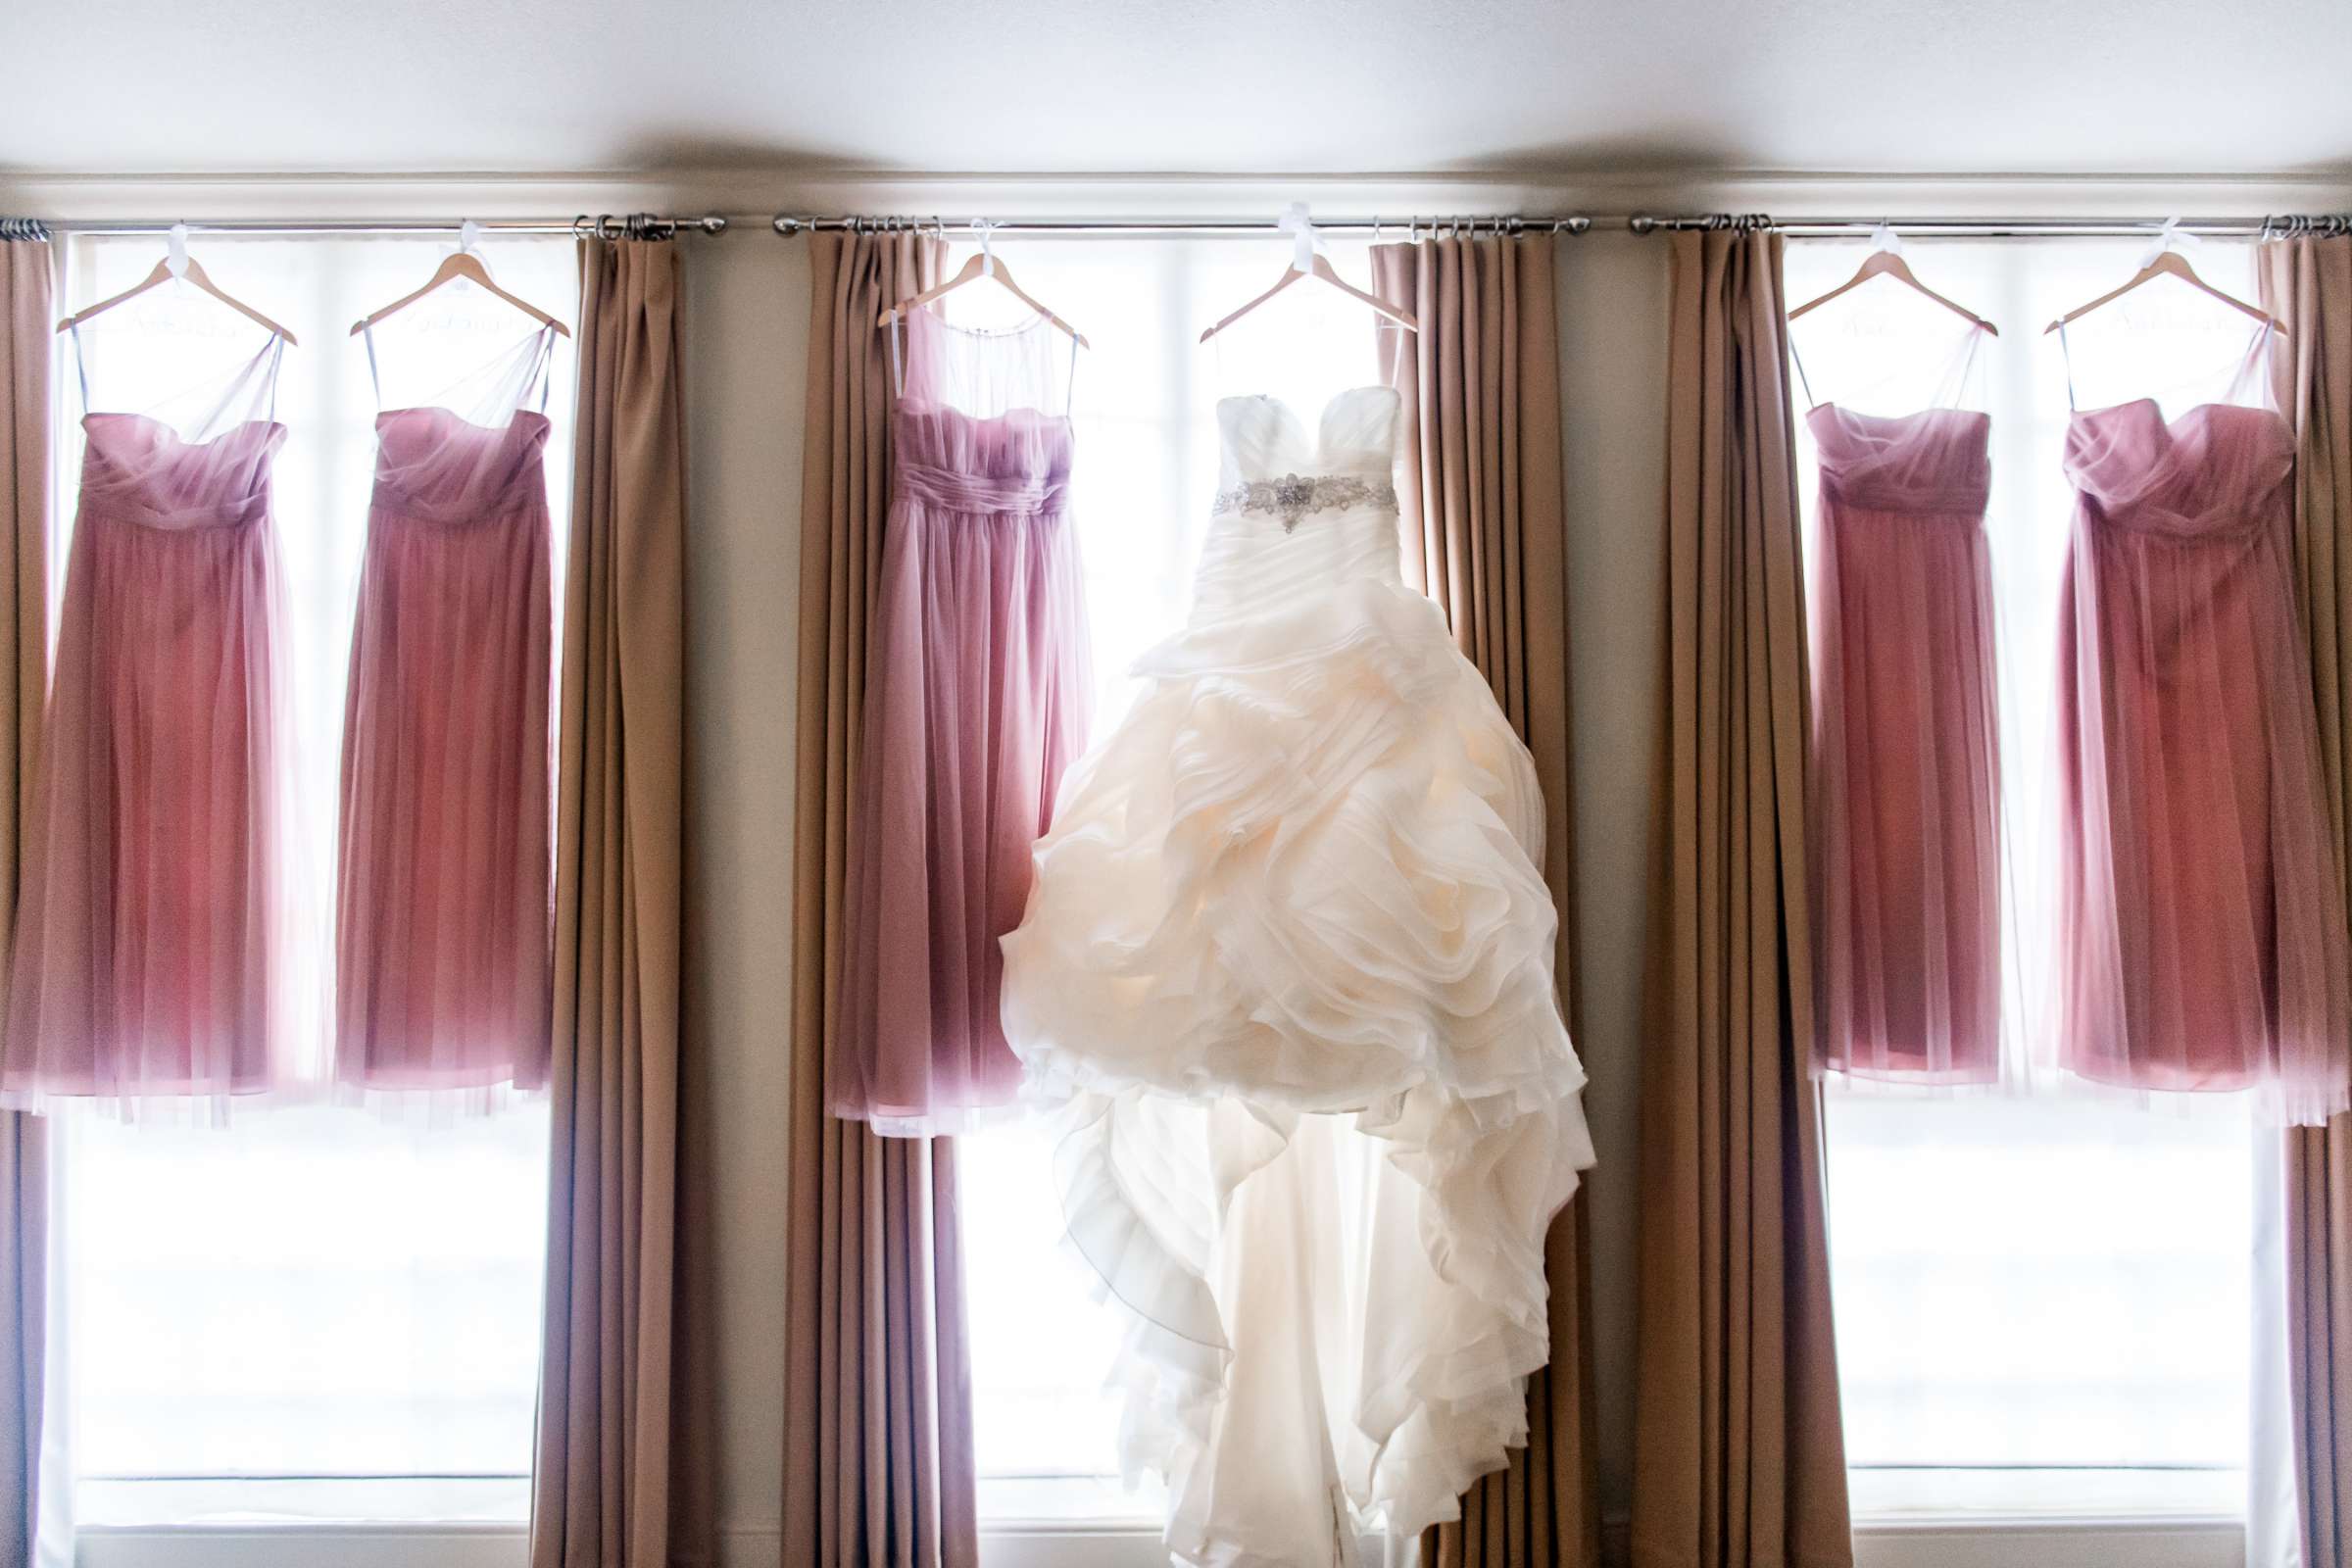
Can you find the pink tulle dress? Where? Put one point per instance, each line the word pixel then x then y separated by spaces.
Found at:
pixel 2202 940
pixel 441 934
pixel 977 697
pixel 152 927
pixel 1906 802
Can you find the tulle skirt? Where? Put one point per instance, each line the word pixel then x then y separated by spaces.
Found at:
pixel 2203 942
pixel 976 701
pixel 443 889
pixel 157 891
pixel 1906 805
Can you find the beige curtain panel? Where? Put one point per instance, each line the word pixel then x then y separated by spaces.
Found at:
pixel 1485 534
pixel 2307 282
pixel 878 1469
pixel 603 1477
pixel 25 290
pixel 1738 1460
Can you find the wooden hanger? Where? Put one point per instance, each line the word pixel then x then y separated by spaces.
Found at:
pixel 465 265
pixel 2168 263
pixel 1307 261
pixel 1886 261
pixel 984 263
pixel 179 262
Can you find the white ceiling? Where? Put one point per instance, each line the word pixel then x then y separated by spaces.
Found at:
pixel 1294 86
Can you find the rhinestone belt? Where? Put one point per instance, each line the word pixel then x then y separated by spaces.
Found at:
pixel 1295 495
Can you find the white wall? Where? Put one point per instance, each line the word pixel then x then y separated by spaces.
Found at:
pixel 748 309
pixel 747 367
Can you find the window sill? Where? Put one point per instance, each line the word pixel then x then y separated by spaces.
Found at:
pixel 1877 1543
pixel 1957 1541
pixel 302 1545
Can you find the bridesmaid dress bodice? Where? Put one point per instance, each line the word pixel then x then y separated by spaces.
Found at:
pixel 2217 470
pixel 138 469
pixel 432 464
pixel 1934 461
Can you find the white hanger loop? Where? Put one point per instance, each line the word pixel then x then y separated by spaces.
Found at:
pixel 175 251
pixel 1883 237
pixel 469 236
pixel 983 227
pixel 1303 236
pixel 2171 238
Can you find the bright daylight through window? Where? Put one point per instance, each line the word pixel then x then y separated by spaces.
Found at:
pixel 320 1311
pixel 2049 1302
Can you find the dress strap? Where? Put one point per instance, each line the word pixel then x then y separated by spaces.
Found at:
pixel 543 363
pixel 2068 354
pixel 1798 359
pixel 898 370
pixel 1954 392
pixel 1069 390
pixel 82 369
pixel 374 380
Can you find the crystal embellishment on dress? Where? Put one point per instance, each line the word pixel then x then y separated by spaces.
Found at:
pixel 1295 495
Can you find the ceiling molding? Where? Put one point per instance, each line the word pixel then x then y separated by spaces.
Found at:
pixel 546 195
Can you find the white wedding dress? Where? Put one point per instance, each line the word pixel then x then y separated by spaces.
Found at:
pixel 1287 969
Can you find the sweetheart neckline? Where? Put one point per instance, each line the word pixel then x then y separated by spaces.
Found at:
pixel 1292 408
pixel 2185 415
pixel 179 440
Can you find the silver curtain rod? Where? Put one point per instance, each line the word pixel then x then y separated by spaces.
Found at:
pixel 1504 223
pixel 2273 226
pixel 604 226
pixel 649 225
pixel 1973 228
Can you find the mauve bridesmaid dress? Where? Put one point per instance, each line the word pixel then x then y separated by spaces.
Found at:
pixel 977 697
pixel 442 934
pixel 1906 786
pixel 152 931
pixel 2202 940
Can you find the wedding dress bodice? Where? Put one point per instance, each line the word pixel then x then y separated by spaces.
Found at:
pixel 1298 508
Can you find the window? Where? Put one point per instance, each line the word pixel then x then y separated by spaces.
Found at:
pixel 314 1312
pixel 1144 402
pixel 2046 1303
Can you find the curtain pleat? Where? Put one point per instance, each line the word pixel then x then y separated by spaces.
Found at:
pixel 605 1473
pixel 26 273
pixel 2307 282
pixel 1483 520
pixel 1739 1453
pixel 878 1465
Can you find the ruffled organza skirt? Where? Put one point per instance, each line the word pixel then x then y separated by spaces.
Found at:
pixel 1287 972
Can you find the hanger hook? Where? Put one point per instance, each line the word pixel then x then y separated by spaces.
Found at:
pixel 2169 237
pixel 176 250
pixel 1294 223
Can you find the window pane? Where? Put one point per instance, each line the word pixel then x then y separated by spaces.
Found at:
pixel 2043 1302
pixel 2050 1281
pixel 319 1291
pixel 310 1291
